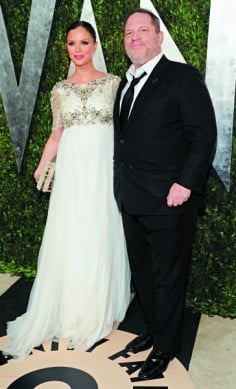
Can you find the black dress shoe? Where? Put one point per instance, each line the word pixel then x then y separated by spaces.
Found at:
pixel 140 343
pixel 155 364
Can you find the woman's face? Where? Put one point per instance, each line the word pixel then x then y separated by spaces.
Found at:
pixel 80 46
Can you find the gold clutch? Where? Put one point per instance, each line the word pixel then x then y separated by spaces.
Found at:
pixel 46 177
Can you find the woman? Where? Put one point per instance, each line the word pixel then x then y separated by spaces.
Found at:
pixel 83 278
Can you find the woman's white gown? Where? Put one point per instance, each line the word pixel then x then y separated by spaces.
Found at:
pixel 83 279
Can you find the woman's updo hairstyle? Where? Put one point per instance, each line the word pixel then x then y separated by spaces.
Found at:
pixel 86 25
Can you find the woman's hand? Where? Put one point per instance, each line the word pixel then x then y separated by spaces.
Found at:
pixel 37 174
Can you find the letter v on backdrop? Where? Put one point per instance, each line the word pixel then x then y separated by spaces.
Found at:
pixel 19 100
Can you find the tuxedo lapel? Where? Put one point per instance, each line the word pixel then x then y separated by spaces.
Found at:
pixel 146 91
pixel 144 94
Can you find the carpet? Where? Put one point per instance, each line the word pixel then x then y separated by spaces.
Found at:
pixel 107 365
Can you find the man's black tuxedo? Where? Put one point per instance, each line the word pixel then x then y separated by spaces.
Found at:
pixel 169 138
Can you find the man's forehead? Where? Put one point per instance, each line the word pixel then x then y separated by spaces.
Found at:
pixel 138 19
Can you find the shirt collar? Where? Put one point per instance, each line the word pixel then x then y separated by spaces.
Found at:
pixel 147 67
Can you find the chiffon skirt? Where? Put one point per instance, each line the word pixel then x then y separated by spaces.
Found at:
pixel 83 279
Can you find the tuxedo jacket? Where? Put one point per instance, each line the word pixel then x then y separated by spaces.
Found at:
pixel 170 137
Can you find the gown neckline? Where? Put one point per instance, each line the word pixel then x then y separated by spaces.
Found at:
pixel 92 82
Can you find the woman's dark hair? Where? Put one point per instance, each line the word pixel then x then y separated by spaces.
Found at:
pixel 155 19
pixel 86 25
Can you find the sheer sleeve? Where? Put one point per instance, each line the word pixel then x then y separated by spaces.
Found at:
pixel 57 123
pixel 115 84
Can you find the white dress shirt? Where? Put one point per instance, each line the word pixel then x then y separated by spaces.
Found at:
pixel 131 72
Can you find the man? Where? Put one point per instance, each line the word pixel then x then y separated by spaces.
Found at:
pixel 163 150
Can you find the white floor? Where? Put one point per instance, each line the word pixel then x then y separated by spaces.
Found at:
pixel 214 356
pixel 6 281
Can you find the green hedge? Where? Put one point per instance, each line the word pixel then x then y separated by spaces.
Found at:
pixel 23 210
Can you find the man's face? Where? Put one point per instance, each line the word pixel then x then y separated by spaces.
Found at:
pixel 141 39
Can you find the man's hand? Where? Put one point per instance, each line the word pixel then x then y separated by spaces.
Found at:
pixel 177 195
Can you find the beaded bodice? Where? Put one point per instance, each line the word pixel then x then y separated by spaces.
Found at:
pixel 74 104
